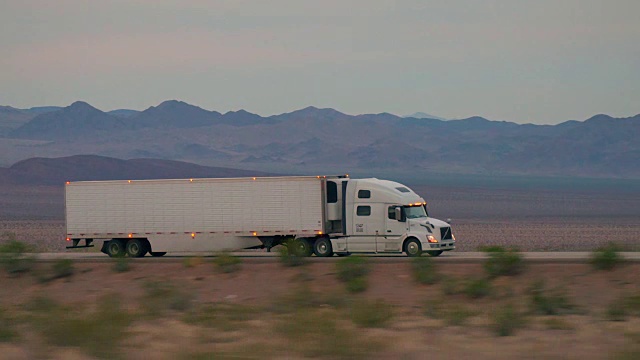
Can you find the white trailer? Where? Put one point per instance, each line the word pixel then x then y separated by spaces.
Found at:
pixel 318 214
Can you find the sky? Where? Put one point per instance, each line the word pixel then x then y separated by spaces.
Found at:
pixel 525 61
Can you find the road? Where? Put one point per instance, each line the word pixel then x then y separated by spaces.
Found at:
pixel 262 256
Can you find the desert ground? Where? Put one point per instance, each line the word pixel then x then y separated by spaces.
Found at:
pixel 190 309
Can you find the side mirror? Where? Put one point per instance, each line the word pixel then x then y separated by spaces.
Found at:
pixel 399 214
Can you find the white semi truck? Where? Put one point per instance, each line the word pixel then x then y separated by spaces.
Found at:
pixel 322 215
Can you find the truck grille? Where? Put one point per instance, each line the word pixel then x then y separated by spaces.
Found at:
pixel 445 233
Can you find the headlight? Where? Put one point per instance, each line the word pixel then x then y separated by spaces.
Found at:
pixel 432 239
pixel 453 237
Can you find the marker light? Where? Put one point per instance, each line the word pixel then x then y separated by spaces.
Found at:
pixel 130 235
pixel 129 181
pixel 191 180
pixel 319 232
pixel 432 239
pixel 254 233
pixel 453 237
pixel 254 178
pixel 68 239
pixel 193 235
pixel 68 182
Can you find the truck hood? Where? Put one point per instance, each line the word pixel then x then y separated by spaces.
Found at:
pixel 437 223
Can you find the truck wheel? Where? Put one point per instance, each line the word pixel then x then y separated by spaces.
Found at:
pixel 301 248
pixel 115 248
pixel 322 247
pixel 434 253
pixel 136 248
pixel 413 248
pixel 157 254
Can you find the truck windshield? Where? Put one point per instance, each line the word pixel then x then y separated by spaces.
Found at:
pixel 415 212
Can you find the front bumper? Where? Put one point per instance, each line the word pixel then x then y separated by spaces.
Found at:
pixel 443 245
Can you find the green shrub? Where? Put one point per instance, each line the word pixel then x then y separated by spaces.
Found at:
pixel 163 296
pixel 505 320
pixel 371 314
pixel 227 263
pixel 7 327
pixel 549 302
pixel 63 268
pixel 477 288
pixel 13 255
pixel 456 314
pixel 424 270
pixel 352 267
pixel 617 310
pixel 289 256
pixel 606 257
pixel 318 333
pixel 452 286
pixel 121 264
pixel 97 333
pixel 353 272
pixel 503 262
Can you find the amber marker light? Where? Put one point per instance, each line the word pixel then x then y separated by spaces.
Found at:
pixel 254 233
pixel 193 235
pixel 68 239
pixel 129 181
pixel 319 232
pixel 130 235
pixel 191 180
pixel 254 178
pixel 68 182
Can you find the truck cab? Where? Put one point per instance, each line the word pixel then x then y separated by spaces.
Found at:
pixel 381 216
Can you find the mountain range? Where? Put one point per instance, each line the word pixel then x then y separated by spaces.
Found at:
pixel 326 140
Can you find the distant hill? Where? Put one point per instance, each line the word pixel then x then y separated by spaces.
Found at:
pixel 320 140
pixel 422 115
pixel 56 171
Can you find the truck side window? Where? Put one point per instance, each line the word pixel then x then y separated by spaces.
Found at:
pixel 332 192
pixel 363 210
pixel 364 194
pixel 392 212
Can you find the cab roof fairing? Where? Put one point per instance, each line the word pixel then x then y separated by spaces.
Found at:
pixel 384 191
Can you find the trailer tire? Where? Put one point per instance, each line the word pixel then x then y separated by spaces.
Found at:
pixel 301 248
pixel 157 254
pixel 136 248
pixel 115 248
pixel 322 247
pixel 412 247
pixel 434 253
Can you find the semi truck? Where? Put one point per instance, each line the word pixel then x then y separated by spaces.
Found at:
pixel 321 215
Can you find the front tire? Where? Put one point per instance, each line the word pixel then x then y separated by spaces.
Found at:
pixel 434 253
pixel 115 248
pixel 136 248
pixel 322 247
pixel 413 248
pixel 157 254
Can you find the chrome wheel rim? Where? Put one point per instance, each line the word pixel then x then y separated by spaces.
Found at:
pixel 412 248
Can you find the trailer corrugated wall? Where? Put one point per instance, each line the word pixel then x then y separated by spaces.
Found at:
pixel 269 205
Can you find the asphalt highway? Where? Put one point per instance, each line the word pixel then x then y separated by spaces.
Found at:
pixel 263 256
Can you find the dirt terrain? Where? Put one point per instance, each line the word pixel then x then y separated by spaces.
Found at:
pixel 192 310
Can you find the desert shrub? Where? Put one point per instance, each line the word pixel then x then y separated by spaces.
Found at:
pixel 371 314
pixel 606 257
pixel 502 262
pixel 556 323
pixel 289 256
pixel 221 316
pixel 505 320
pixel 163 296
pixel 451 286
pixel 63 268
pixel 13 255
pixel 617 310
pixel 97 333
pixel 192 261
pixel 227 263
pixel 7 327
pixel 319 334
pixel 424 270
pixel 549 302
pixel 477 288
pixel 353 272
pixel 456 314
pixel 121 264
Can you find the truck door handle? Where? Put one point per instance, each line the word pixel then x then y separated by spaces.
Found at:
pixel 388 230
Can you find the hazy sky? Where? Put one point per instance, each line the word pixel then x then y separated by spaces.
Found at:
pixel 524 61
